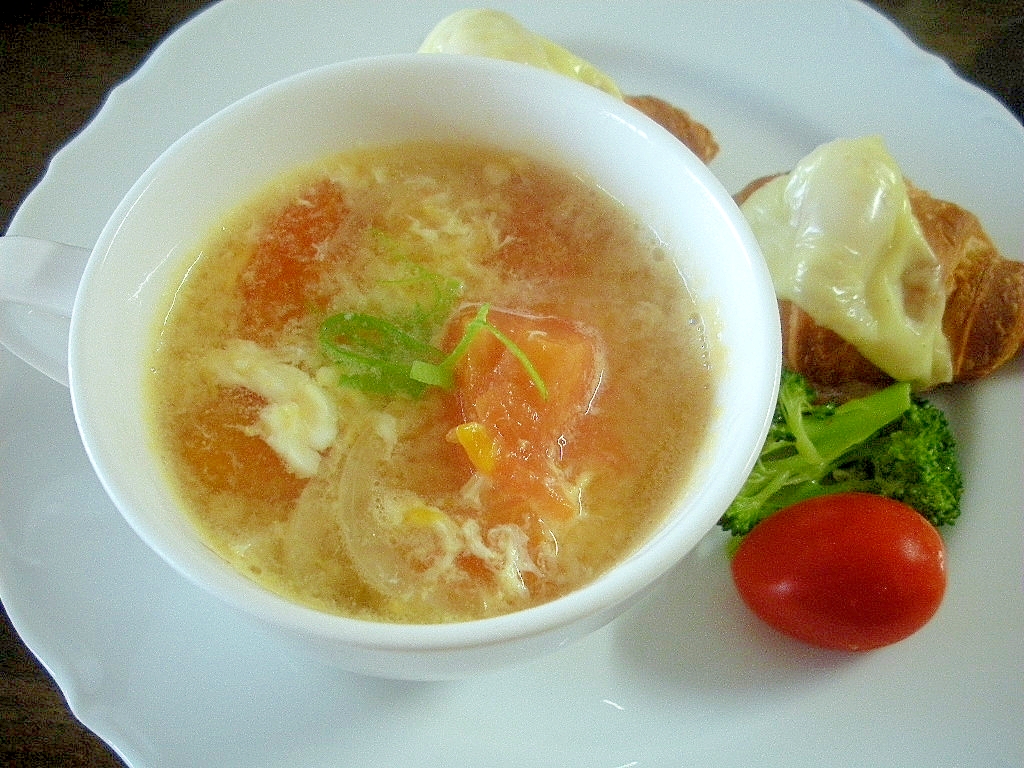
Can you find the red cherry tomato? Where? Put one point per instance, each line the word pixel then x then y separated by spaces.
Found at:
pixel 851 571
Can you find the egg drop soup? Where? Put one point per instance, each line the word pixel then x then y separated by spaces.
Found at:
pixel 429 383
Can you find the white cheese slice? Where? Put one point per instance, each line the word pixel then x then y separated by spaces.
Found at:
pixel 496 35
pixel 299 421
pixel 843 244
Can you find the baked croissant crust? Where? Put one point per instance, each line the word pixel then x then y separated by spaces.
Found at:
pixel 695 135
pixel 983 319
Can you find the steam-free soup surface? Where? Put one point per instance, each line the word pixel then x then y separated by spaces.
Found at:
pixel 429 383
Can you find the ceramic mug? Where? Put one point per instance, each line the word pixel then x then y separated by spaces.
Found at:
pixel 113 295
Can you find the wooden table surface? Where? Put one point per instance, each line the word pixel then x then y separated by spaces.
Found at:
pixel 58 61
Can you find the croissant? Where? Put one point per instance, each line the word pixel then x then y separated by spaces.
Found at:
pixel 695 135
pixel 983 318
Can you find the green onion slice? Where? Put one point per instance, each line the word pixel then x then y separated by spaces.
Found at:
pixel 377 356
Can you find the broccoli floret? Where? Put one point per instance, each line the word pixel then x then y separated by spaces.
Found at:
pixel 890 442
pixel 913 460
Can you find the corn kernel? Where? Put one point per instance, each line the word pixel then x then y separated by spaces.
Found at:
pixel 480 448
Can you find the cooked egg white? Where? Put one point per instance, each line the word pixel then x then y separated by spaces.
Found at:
pixel 299 421
pixel 842 243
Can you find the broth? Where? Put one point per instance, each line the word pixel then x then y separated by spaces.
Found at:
pixel 429 487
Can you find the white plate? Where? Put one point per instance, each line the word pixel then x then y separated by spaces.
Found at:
pixel 688 677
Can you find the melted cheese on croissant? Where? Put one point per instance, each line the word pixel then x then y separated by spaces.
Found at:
pixel 842 243
pixel 497 35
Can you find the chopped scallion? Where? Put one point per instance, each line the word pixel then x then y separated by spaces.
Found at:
pixel 378 356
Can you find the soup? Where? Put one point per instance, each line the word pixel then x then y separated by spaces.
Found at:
pixel 429 383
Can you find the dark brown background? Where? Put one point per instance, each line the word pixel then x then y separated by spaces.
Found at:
pixel 57 62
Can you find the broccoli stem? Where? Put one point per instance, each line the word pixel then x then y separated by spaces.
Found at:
pixel 889 443
pixel 855 421
pixel 807 443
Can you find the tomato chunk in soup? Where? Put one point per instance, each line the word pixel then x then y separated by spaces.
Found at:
pixel 515 434
pixel 284 270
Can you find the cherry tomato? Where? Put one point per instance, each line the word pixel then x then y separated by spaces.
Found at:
pixel 851 571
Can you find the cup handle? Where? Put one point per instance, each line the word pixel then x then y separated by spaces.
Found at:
pixel 38 283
